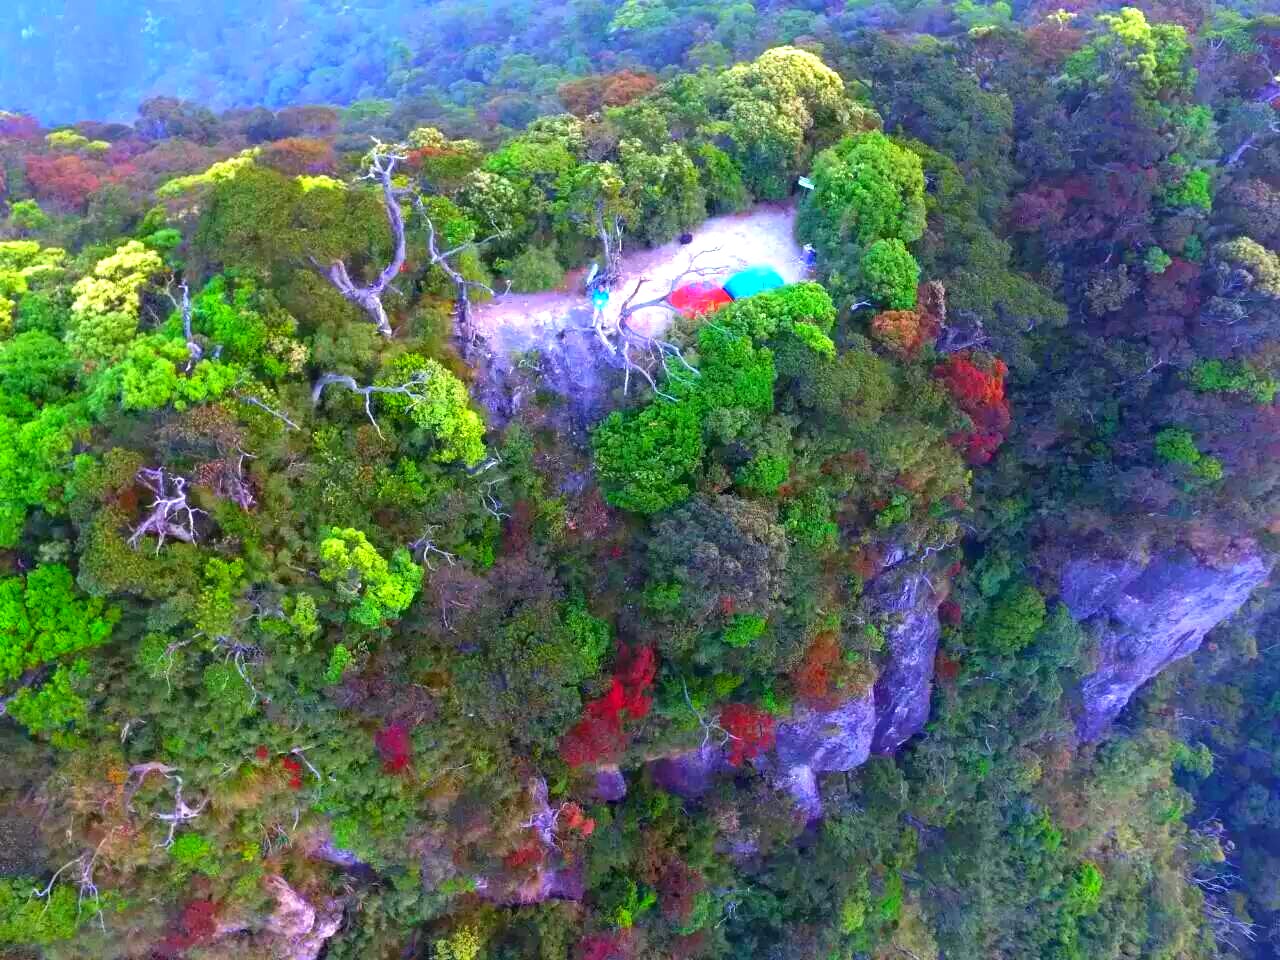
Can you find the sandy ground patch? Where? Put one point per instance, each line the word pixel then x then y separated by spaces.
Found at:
pixel 764 235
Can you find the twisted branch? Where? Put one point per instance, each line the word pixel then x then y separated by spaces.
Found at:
pixel 182 811
pixel 412 388
pixel 382 163
pixel 170 514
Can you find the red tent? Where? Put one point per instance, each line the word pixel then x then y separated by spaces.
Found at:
pixel 695 299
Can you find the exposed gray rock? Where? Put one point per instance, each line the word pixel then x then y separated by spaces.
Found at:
pixel 567 884
pixel 689 775
pixel 547 882
pixel 821 741
pixel 1090 585
pixel 548 356
pixel 1146 618
pixel 827 740
pixel 894 554
pixel 812 742
pixel 904 688
pixel 610 785
pixel 801 784
pixel 299 929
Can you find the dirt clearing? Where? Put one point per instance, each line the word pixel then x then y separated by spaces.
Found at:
pixel 764 235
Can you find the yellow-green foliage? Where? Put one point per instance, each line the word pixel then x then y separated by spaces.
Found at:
pixel 222 170
pixel 1262 264
pixel 441 407
pixel 116 280
pixel 71 140
pixel 773 103
pixel 104 315
pixel 319 183
pixel 22 263
pixel 463 944
pixel 377 591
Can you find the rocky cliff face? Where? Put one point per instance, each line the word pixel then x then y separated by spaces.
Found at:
pixel 1146 616
pixel 813 742
pixel 903 690
pixel 690 774
pixel 821 741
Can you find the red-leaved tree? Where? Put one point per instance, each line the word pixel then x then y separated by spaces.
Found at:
pixel 599 736
pixel 978 391
pixel 750 730
pixel 66 181
pixel 197 925
pixel 394 746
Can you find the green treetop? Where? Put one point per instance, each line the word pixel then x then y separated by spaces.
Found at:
pixel 376 590
pixel 866 188
pixel 44 618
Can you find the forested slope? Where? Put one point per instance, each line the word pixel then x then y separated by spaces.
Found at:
pixel 866 622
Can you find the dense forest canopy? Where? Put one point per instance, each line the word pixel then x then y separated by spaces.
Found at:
pixel 393 564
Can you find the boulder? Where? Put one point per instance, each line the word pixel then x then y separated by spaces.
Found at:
pixel 827 741
pixel 610 785
pixel 299 929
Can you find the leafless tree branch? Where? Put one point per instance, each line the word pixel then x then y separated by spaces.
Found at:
pixel 382 164
pixel 255 402
pixel 170 514
pixel 412 388
pixel 461 285
pixel 182 812
pixel 194 350
pixel 642 354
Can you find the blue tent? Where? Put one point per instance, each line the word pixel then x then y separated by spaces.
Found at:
pixel 751 281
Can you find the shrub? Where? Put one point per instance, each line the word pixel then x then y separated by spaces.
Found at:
pixel 536 269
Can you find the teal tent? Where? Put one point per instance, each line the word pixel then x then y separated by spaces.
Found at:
pixel 751 281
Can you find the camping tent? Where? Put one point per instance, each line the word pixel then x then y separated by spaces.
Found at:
pixel 751 281
pixel 695 299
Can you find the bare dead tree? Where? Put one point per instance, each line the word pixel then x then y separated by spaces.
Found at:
pixel 426 548
pixel 462 286
pixel 194 350
pixel 84 881
pixel 182 812
pixel 953 339
pixel 411 388
pixel 543 820
pixel 641 353
pixel 301 754
pixel 226 479
pixel 455 591
pixel 170 515
pixel 1227 928
pixel 368 297
pixel 709 728
pixel 490 501
pixel 242 655
pixel 609 230
pixel 1270 127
